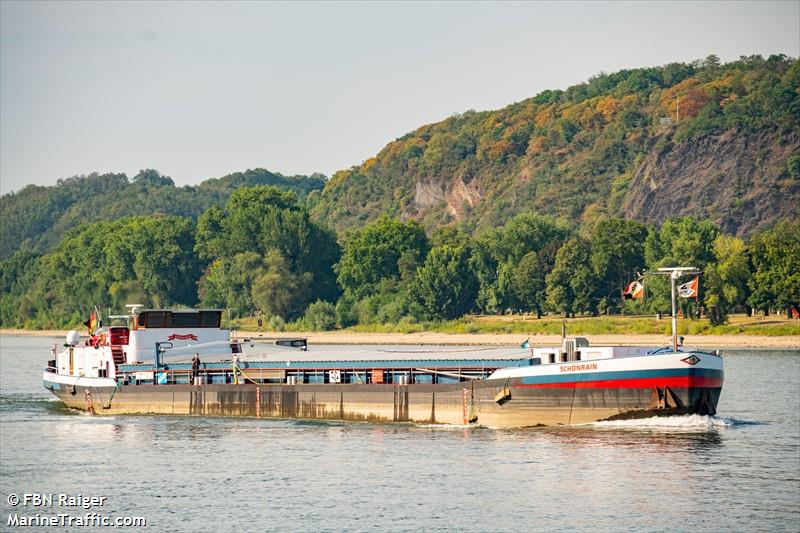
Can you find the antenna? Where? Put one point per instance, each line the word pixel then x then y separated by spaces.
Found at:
pixel 674 273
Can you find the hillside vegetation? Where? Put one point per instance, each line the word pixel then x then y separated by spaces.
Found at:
pixel 550 206
pixel 704 139
pixel 36 218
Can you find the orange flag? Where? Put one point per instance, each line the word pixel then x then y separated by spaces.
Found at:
pixel 635 290
pixel 689 290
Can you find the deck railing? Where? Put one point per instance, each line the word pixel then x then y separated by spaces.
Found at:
pixel 385 376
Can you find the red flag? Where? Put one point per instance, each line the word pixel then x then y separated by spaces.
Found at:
pixel 634 291
pixel 689 289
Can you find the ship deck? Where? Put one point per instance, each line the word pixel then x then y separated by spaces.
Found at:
pixel 333 364
pixel 269 363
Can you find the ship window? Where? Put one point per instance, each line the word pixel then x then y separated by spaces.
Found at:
pixel 186 320
pixel 166 319
pixel 153 319
pixel 210 319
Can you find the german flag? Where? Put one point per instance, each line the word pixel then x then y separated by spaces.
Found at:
pixel 93 323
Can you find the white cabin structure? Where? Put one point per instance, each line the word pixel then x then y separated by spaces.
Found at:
pixel 183 331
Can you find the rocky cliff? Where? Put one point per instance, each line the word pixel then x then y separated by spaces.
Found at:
pixel 739 181
pixel 609 147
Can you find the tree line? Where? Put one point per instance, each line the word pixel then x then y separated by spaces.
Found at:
pixel 37 218
pixel 262 254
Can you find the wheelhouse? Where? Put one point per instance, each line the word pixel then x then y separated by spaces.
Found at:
pixel 184 318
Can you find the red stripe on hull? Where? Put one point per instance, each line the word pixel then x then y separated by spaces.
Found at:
pixel 644 383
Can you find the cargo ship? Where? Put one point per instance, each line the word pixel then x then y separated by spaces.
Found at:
pixel 142 367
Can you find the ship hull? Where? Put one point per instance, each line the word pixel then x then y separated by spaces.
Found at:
pixel 491 403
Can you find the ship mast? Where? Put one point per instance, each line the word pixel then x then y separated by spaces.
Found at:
pixel 674 273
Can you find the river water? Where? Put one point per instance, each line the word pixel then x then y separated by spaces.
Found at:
pixel 737 471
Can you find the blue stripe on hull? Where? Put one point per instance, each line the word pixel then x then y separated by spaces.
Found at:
pixel 624 374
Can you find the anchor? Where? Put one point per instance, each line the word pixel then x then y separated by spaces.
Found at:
pixel 664 398
pixel 503 395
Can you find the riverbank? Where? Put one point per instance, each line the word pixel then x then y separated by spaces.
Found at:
pixel 495 339
pixel 511 339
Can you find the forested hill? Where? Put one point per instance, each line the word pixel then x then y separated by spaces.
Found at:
pixel 709 140
pixel 36 218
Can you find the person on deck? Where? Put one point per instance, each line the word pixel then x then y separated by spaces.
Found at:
pixel 235 369
pixel 196 369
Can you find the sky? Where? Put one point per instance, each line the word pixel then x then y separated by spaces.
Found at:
pixel 200 90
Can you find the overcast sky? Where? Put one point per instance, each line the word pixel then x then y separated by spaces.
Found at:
pixel 199 90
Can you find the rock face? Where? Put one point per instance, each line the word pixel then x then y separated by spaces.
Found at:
pixel 738 181
pixel 606 148
pixel 457 194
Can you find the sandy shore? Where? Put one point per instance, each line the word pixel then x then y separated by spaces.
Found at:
pixel 491 339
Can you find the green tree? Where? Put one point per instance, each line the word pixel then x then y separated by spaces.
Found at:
pixel 151 259
pixel 407 265
pixel 450 236
pixel 37 218
pixel 617 254
pixel 529 232
pixel 211 236
pixel 485 265
pixel 374 254
pixel 505 297
pixel 679 242
pixel 572 284
pixel 529 283
pixel 775 283
pixel 164 263
pixel 279 291
pixel 347 311
pixel 497 253
pixel 229 280
pixel 264 219
pixel 151 178
pixel 320 316
pixel 445 287
pixel 682 240
pixel 726 279
pixel 18 275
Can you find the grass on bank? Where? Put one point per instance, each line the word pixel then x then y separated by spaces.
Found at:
pixel 530 325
